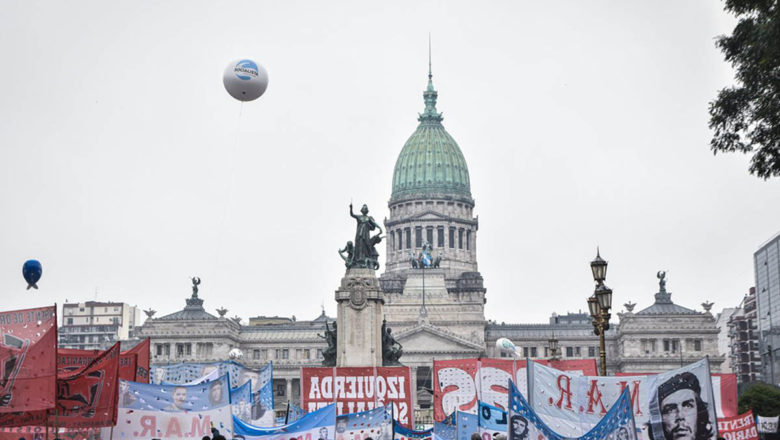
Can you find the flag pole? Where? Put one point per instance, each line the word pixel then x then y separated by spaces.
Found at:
pixel 111 435
pixel 47 425
pixel 287 414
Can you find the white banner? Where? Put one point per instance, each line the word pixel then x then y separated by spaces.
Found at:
pixel 767 424
pixel 141 424
pixel 572 404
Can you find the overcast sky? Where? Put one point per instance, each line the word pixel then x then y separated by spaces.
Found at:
pixel 126 168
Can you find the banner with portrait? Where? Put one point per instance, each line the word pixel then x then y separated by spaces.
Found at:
pixel 173 411
pixel 525 423
pixel 459 383
pixel 241 402
pixel 724 390
pixel 317 425
pixel 574 403
pixel 742 427
pixel 356 389
pixel 376 423
pixel 28 359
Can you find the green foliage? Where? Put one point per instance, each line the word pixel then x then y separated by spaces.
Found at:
pixel 746 117
pixel 762 398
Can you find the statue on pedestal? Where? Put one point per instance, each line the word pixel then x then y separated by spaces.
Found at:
pixel 392 350
pixel 329 354
pixel 364 253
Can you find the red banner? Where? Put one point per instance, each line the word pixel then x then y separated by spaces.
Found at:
pixel 39 433
pixel 724 388
pixel 741 427
pixel 70 360
pixel 85 398
pixel 356 389
pixel 458 383
pixel 142 360
pixel 28 362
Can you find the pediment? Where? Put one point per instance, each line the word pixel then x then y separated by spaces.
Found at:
pixel 430 215
pixel 423 337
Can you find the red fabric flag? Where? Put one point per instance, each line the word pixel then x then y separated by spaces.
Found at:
pixel 85 398
pixel 28 362
pixel 142 361
pixel 70 360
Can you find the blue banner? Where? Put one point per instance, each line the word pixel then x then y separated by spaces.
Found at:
pixel 524 423
pixel 176 398
pixel 402 433
pixel 241 402
pixel 376 423
pixel 466 425
pixel 189 372
pixel 492 419
pixel 318 425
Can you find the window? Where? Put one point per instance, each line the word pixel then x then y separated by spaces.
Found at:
pixel 255 354
pixel 468 239
pixel 577 351
pixel 440 233
pixel 452 238
pixel 179 350
pixel 525 351
pixel 591 352
pixel 159 349
pixel 670 345
pixel 408 233
pixel 418 236
pixel 105 309
pixel 188 349
pixel 400 239
pixel 280 388
pixel 697 345
pixel 424 378
pixel 460 238
pixel 569 352
pixel 533 352
pixel 70 321
pixel 306 353
pixel 319 353
pixel 546 351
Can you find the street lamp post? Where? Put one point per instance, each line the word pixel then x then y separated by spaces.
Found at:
pixel 599 305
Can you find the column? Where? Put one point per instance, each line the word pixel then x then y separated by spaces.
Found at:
pixel 414 388
pixel 289 389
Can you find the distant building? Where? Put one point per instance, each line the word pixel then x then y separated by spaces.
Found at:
pixel 97 325
pixel 766 263
pixel 744 344
pixel 722 320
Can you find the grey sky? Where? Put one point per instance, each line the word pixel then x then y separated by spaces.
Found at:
pixel 126 168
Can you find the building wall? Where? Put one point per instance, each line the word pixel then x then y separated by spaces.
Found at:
pixel 766 262
pixel 96 325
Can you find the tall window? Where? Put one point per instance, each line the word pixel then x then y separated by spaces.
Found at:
pixel 569 352
pixel 591 352
pixel 533 352
pixel 468 239
pixel 452 238
pixel 460 238
pixel 440 234
pixel 408 233
pixel 418 236
pixel 429 235
pixel 400 239
pixel 255 354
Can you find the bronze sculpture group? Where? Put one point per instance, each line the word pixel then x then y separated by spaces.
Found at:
pixel 362 252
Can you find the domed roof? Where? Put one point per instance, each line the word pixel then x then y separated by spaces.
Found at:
pixel 431 162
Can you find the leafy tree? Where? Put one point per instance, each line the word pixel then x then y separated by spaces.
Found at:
pixel 762 398
pixel 746 117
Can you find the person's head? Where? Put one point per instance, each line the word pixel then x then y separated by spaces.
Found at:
pixel 341 425
pixel 179 395
pixel 518 427
pixel 215 392
pixel 364 210
pixel 622 433
pixel 324 432
pixel 684 415
pixel 205 437
pixel 124 386
pixel 476 436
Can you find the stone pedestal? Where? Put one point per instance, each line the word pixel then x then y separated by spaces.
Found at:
pixel 360 302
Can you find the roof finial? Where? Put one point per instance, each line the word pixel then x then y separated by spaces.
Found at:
pixel 430 71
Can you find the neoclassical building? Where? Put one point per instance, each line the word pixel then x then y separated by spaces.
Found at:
pixel 435 313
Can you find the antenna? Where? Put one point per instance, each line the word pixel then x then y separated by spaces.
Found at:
pixel 430 71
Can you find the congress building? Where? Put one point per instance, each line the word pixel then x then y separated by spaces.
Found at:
pixel 439 312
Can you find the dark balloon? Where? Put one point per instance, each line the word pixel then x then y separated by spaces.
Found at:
pixel 32 271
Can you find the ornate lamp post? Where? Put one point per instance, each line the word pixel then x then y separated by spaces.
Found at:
pixel 599 305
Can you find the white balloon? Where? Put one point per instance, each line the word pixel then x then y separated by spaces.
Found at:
pixel 245 80
pixel 235 354
pixel 506 346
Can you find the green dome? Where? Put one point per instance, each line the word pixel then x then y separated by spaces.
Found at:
pixel 431 162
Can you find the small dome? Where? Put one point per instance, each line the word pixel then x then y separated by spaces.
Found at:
pixel 431 162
